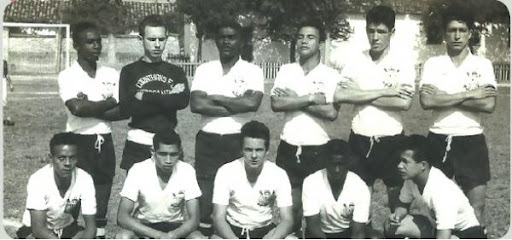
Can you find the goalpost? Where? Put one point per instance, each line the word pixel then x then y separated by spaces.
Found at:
pixel 33 57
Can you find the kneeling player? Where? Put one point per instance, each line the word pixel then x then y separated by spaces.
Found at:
pixel 450 207
pixel 57 192
pixel 162 187
pixel 336 201
pixel 247 189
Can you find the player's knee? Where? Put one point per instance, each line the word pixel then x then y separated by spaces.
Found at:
pixel 125 234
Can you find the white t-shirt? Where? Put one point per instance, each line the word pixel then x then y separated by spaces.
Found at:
pixel 251 206
pixel 474 72
pixel 390 71
pixel 241 77
pixel 43 194
pixel 301 128
pixel 353 203
pixel 447 203
pixel 74 80
pixel 154 203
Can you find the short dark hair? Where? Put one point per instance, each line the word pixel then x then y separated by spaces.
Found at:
pixel 80 27
pixel 315 24
pixel 153 20
pixel 420 147
pixel 228 23
pixel 65 138
pixel 456 12
pixel 255 129
pixel 338 147
pixel 166 137
pixel 381 14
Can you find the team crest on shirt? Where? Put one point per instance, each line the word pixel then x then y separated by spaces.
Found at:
pixel 267 198
pixel 107 91
pixel 240 85
pixel 72 205
pixel 318 86
pixel 474 78
pixel 391 76
pixel 347 211
pixel 177 199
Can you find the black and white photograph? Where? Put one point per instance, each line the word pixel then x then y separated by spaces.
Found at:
pixel 253 119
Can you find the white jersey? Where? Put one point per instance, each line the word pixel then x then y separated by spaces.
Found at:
pixel 43 194
pixel 447 203
pixel 74 80
pixel 369 75
pixel 301 128
pixel 243 76
pixel 154 203
pixel 251 206
pixel 474 72
pixel 353 203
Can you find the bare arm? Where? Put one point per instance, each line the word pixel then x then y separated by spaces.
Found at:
pixel 314 226
pixel 90 227
pixel 200 103
pixel 349 92
pixel 393 103
pixel 287 100
pixel 127 221
pixel 190 224
pixel 38 223
pixel 327 111
pixel 220 223
pixel 86 108
pixel 113 114
pixel 285 224
pixel 249 102
pixel 433 98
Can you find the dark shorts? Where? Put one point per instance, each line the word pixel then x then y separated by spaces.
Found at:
pixel 212 151
pixel 476 232
pixel 163 226
pixel 309 161
pixel 133 153
pixel 427 230
pixel 257 233
pixel 340 235
pixel 101 165
pixel 67 233
pixel 467 160
pixel 377 160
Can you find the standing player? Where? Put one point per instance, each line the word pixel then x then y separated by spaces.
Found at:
pixel 450 208
pixel 90 93
pixel 157 193
pixel 380 84
pixel 224 92
pixel 304 92
pixel 336 201
pixel 151 91
pixel 6 81
pixel 57 192
pixel 247 189
pixel 458 87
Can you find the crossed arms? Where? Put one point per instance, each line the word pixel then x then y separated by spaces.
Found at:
pixel 221 106
pixel 481 99
pixel 285 99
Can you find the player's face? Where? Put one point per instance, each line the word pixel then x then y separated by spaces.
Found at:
pixel 154 40
pixel 229 43
pixel 379 37
pixel 254 152
pixel 308 42
pixel 337 167
pixel 89 45
pixel 64 158
pixel 166 156
pixel 457 35
pixel 407 167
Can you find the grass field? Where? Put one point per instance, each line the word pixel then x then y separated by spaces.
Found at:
pixel 39 113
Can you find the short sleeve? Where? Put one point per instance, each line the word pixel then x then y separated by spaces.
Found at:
pixel 67 88
pixel 115 76
pixel 407 73
pixel 310 201
pixel 131 187
pixel 284 191
pixel 333 79
pixel 488 76
pixel 35 194
pixel 280 81
pixel 407 192
pixel 191 187
pixel 221 187
pixel 256 80
pixel 200 81
pixel 88 195
pixel 362 204
pixel 427 77
pixel 445 209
